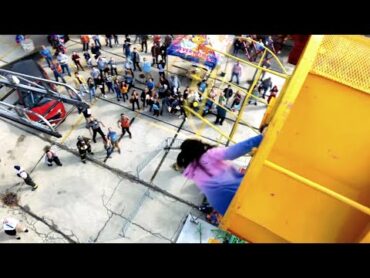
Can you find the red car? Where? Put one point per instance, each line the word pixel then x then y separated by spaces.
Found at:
pixel 53 110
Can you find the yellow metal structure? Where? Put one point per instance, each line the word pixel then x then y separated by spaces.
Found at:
pixel 310 178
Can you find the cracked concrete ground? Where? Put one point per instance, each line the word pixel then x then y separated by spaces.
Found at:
pixel 100 202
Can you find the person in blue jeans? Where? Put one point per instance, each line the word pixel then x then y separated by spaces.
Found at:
pixel 55 68
pixel 114 138
pixel 117 89
pixel 46 53
pixel 91 86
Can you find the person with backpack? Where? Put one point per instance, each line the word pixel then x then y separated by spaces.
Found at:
pixel 124 123
pixel 26 177
pixel 113 137
pixel 94 124
pixel 84 147
pixel 51 156
pixel 136 59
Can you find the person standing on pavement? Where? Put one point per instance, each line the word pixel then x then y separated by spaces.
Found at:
pixel 144 43
pixel 124 123
pixel 46 53
pixel 129 79
pixel 101 86
pixel 95 74
pixel 57 70
pixel 156 106
pixel 51 156
pixel 12 226
pixel 80 84
pixel 116 42
pixel 109 82
pixel 175 84
pixel 124 91
pixel 76 59
pixel 236 71
pixel 150 84
pixel 266 84
pixel 135 99
pixel 147 68
pixel 85 39
pixel 117 89
pixel 91 87
pixel 95 50
pixel 102 64
pixel 221 112
pixel 88 59
pixel 228 93
pixel 63 60
pixel 108 40
pixel 84 147
pixel 109 149
pixel 113 137
pixel 86 111
pixel 136 59
pixel 273 93
pixel 26 177
pixel 113 66
pixel 127 48
pixel 94 124
pixel 156 51
pixel 96 40
pixel 161 68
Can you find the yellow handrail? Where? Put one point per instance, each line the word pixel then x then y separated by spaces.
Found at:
pixel 319 187
pixel 208 122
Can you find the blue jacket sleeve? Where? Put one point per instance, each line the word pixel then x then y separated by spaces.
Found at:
pixel 242 148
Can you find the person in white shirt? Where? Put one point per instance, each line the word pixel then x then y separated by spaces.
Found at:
pixel 25 176
pixel 63 61
pixel 11 226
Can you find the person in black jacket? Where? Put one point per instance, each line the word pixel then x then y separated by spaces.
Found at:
pixel 144 43
pixel 84 147
pixel 95 50
pixel 136 59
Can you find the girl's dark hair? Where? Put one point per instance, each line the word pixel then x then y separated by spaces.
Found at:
pixel 191 151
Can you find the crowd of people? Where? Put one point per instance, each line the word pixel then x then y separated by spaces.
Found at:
pixel 163 96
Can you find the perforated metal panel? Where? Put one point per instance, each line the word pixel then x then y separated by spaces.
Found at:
pixel 345 59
